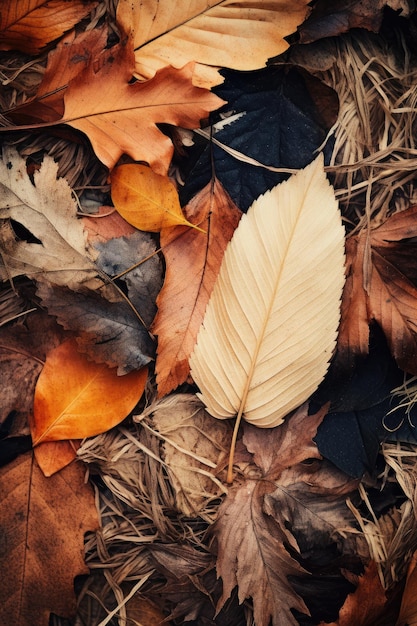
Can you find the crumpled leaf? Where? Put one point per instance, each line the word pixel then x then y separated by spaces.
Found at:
pixel 48 211
pixel 329 18
pixel 28 25
pixel 381 286
pixel 240 35
pixel 144 281
pixel 181 303
pixel 193 444
pixel 271 323
pixel 124 118
pixel 43 526
pixel 77 398
pixel 253 530
pixel 108 332
pixel 284 108
pixel 145 199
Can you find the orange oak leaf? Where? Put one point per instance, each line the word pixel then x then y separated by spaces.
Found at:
pixel 29 25
pixel 124 118
pixel 381 286
pixel 71 55
pixel 43 526
pixel 192 260
pixel 366 604
pixel 76 398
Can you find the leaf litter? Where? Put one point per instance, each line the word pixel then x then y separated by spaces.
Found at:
pixel 157 517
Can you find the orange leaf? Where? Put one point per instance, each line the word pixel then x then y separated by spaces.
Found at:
pixel 53 456
pixel 145 199
pixel 181 303
pixel 381 287
pixel 76 398
pixel 28 25
pixel 124 118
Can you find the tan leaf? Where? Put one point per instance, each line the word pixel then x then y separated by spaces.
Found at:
pixel 271 323
pixel 28 25
pixel 181 303
pixel 43 526
pixel 48 211
pixel 238 35
pixel 124 118
pixel 193 444
pixel 76 398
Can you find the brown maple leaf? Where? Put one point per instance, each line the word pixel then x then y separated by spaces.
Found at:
pixel 43 526
pixel 381 286
pixel 120 116
pixel 193 261
pixel 252 530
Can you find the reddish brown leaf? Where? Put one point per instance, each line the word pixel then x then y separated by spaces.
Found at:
pixel 197 256
pixel 71 55
pixel 106 224
pixel 124 118
pixel 408 609
pixel 251 540
pixel 53 456
pixel 43 526
pixel 381 286
pixel 28 25
pixel 366 604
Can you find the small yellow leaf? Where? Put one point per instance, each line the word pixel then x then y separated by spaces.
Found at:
pixel 145 199
pixel 76 398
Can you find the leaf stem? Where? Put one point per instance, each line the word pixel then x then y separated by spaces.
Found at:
pixel 229 477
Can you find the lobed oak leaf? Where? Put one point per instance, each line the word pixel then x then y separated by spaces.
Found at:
pixel 77 398
pixel 43 526
pixel 48 211
pixel 29 25
pixel 181 303
pixel 381 286
pixel 145 199
pixel 241 36
pixel 124 119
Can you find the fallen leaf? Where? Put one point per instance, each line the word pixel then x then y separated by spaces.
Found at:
pixel 193 445
pixel 77 398
pixel 408 610
pixel 48 211
pixel 240 35
pixel 106 224
pixel 331 18
pixel 366 604
pixel 271 323
pixel 23 350
pixel 53 456
pixel 72 54
pixel 145 199
pixel 142 612
pixel 181 303
pixel 381 286
pixel 108 332
pixel 255 543
pixel 133 260
pixel 43 526
pixel 29 25
pixel 124 119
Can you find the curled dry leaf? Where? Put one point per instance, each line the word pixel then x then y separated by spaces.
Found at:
pixel 193 444
pixel 124 119
pixel 240 36
pixel 271 324
pixel 76 398
pixel 181 303
pixel 145 199
pixel 43 526
pixel 28 25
